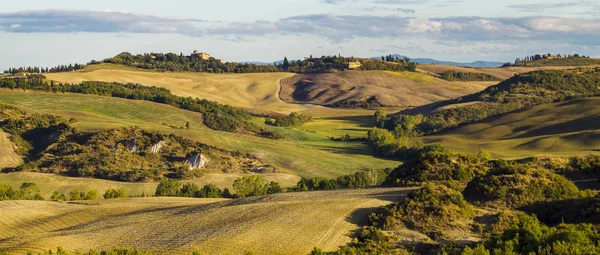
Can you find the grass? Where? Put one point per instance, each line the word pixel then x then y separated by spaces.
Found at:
pixel 289 223
pixel 302 153
pixel 8 157
pixel 566 129
pixel 48 183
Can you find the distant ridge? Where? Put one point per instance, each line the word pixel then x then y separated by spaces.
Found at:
pixel 417 60
pixel 450 63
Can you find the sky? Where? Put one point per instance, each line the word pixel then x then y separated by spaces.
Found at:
pixel 48 33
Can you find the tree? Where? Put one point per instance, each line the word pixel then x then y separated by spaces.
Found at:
pixel 380 117
pixel 286 63
pixel 484 155
pixel 168 187
pixel 113 193
pixel 57 196
pixel 253 185
pixel 30 191
pixel 189 190
pixel 210 191
pixel 274 188
pixel 75 195
pixel 91 195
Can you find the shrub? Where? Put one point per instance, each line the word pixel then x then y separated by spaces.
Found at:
pixel 252 185
pixel 168 188
pixel 114 193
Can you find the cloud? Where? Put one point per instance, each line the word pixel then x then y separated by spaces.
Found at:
pixel 435 3
pixel 336 28
pixel 65 21
pixel 546 6
pixel 387 9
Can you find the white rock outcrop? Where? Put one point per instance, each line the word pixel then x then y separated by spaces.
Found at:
pixel 157 147
pixel 196 161
pixel 132 146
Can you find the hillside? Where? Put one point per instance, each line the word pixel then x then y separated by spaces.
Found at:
pixel 500 72
pixel 565 128
pixel 372 89
pixel 301 153
pixel 290 223
pixel 256 91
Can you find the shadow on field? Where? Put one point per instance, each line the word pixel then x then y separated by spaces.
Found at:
pixel 365 121
pixel 346 150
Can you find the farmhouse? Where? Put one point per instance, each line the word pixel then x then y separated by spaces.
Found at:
pixel 354 64
pixel 200 55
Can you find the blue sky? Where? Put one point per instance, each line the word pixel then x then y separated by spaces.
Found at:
pixel 66 31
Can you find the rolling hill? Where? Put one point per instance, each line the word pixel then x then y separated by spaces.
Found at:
pixel 372 89
pixel 289 223
pixel 303 153
pixel 566 128
pixel 500 72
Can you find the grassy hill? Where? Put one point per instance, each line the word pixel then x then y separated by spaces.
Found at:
pixel 302 153
pixel 566 128
pixel 254 91
pixel 372 89
pixel 289 223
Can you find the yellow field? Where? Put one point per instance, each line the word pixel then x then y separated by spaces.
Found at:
pixel 302 153
pixel 289 223
pixel 48 183
pixel 256 91
pixel 567 128
pixel 8 157
pixel 399 89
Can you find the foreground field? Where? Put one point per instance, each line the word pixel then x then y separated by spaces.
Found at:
pixel 8 157
pixel 398 89
pixel 48 183
pixel 289 223
pixel 566 128
pixel 302 153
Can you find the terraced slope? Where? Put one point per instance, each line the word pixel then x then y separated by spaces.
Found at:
pixel 302 153
pixel 8 157
pixel 566 128
pixel 290 223
pixel 373 88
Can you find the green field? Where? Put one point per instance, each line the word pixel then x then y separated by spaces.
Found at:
pixel 566 128
pixel 301 153
pixel 288 223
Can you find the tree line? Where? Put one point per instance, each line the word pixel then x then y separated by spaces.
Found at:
pixel 41 70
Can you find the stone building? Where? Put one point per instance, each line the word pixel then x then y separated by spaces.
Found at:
pixel 200 55
pixel 354 64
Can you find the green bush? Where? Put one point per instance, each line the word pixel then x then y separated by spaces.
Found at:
pixel 27 191
pixel 114 193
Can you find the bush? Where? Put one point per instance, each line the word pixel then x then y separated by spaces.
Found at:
pixel 27 191
pixel 253 185
pixel 510 184
pixel 169 188
pixel 114 193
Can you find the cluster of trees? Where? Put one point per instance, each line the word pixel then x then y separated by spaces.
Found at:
pixel 75 195
pixel 216 116
pixel 451 75
pixel 38 70
pixel 558 59
pixel 292 120
pixel 252 185
pixel 357 180
pixel 174 188
pixel 178 62
pixel 27 191
pixel 521 192
pixel 519 92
